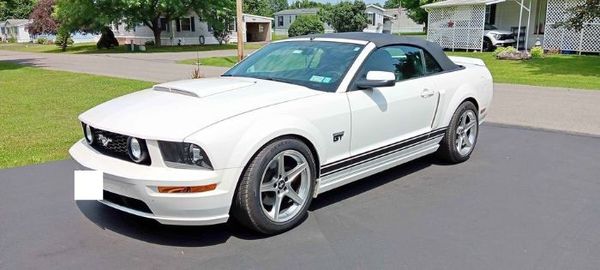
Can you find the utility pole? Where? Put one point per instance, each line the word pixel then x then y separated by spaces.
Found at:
pixel 239 17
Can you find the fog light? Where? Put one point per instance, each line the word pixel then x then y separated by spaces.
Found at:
pixel 190 189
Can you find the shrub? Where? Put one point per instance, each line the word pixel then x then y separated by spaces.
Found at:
pixel 59 40
pixel 11 39
pixel 41 40
pixel 537 52
pixel 501 50
pixel 306 24
pixel 107 39
pixel 149 43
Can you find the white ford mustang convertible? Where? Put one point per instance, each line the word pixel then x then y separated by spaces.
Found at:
pixel 297 118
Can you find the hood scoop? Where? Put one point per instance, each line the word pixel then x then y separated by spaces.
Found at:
pixel 174 90
pixel 204 87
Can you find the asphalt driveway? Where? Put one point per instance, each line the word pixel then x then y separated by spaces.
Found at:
pixel 528 199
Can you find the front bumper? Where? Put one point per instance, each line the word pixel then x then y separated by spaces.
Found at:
pixel 504 43
pixel 140 182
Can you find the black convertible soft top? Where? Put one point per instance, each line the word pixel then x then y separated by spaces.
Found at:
pixel 382 40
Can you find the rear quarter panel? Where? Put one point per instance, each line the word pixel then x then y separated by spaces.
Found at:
pixel 473 81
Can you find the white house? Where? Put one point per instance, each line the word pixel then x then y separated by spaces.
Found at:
pixel 15 28
pixel 460 24
pixel 191 30
pixel 399 22
pixel 285 18
pixel 376 19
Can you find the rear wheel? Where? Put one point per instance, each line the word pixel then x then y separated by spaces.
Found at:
pixel 460 138
pixel 276 188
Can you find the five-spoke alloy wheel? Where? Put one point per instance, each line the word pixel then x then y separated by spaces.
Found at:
pixel 461 136
pixel 285 184
pixel 276 187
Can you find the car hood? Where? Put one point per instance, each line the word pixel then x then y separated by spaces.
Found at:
pixel 173 111
pixel 500 32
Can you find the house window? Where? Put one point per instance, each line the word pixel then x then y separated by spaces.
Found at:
pixel 164 24
pixel 186 24
pixel 290 19
pixel 370 18
pixel 279 20
pixel 490 14
pixel 540 17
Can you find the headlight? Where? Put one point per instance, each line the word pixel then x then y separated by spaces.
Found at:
pixel 497 36
pixel 176 154
pixel 87 132
pixel 137 151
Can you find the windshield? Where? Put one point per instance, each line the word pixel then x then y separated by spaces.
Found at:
pixel 319 65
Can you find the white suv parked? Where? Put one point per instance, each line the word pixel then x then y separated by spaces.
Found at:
pixel 493 38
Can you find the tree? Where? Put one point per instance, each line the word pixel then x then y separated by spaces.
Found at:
pixel 258 7
pixel 82 15
pixel 278 5
pixel 220 18
pixel 413 8
pixel 15 9
pixel 345 16
pixel 306 24
pixel 581 14
pixel 42 21
pixel 107 39
pixel 305 4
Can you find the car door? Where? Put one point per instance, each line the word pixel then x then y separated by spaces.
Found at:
pixel 387 115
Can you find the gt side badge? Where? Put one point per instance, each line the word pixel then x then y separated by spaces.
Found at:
pixel 338 136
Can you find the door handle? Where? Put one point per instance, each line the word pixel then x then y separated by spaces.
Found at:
pixel 427 93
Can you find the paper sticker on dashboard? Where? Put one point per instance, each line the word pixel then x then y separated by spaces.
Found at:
pixel 297 51
pixel 316 78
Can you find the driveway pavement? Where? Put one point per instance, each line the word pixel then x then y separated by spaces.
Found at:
pixel 147 67
pixel 569 110
pixel 527 199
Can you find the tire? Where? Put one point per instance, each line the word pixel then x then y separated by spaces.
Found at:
pixel 261 187
pixel 468 130
pixel 487 45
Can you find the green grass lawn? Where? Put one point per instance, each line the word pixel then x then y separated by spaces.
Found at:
pixel 91 48
pixel 570 71
pixel 39 109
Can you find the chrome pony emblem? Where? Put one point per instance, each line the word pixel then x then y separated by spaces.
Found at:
pixel 104 140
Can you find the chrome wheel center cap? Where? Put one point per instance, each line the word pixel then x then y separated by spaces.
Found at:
pixel 281 184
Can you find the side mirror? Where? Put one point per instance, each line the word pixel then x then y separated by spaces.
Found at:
pixel 377 79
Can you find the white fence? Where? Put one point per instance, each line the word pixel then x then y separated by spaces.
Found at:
pixel 587 40
pixel 459 27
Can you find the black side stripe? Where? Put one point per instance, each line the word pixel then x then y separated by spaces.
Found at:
pixel 379 152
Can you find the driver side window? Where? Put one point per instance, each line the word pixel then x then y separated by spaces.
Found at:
pixel 406 62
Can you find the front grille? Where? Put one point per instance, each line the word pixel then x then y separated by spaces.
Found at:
pixel 124 201
pixel 114 145
pixel 506 36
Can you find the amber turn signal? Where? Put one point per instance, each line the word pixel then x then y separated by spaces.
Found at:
pixel 192 189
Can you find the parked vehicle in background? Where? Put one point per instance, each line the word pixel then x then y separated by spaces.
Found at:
pixel 296 118
pixel 493 38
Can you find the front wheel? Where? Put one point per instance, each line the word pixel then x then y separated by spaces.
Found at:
pixel 276 188
pixel 460 138
pixel 487 45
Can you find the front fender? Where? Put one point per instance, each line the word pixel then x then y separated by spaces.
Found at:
pixel 232 143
